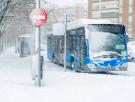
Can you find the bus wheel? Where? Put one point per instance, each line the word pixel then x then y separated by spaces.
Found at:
pixel 75 68
pixel 71 66
pixel 53 58
pixel 71 63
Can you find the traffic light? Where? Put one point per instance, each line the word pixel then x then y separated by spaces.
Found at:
pixel 66 19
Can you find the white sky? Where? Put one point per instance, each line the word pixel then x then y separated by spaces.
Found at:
pixel 68 2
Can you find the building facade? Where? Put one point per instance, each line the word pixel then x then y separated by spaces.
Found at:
pixel 118 11
pixel 73 13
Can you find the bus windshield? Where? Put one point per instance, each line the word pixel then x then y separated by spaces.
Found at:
pixel 107 38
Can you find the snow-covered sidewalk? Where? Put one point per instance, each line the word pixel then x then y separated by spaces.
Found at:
pixel 16 84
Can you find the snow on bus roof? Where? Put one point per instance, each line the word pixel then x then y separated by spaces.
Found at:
pixel 84 22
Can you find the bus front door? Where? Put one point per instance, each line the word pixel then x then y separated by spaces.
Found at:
pixel 80 51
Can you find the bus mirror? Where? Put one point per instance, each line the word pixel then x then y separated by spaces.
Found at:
pixel 127 38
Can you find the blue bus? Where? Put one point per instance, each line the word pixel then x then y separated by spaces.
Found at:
pixel 92 45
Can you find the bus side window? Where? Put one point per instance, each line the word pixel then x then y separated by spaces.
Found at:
pixel 62 45
pixel 86 48
pixel 74 43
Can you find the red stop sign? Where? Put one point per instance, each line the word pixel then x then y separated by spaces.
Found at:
pixel 38 17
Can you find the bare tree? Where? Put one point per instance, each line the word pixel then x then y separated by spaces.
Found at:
pixel 4 4
pixel 12 14
pixel 14 17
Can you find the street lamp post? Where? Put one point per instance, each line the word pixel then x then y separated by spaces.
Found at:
pixel 38 79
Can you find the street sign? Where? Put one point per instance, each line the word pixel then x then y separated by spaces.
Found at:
pixel 38 17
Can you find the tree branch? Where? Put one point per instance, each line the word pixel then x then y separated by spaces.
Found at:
pixel 9 4
pixel 4 11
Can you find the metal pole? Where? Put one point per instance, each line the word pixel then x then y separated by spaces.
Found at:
pixel 38 79
pixel 65 42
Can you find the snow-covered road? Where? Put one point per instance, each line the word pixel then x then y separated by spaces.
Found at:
pixel 16 84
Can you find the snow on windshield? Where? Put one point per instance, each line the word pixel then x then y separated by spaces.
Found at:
pixel 106 39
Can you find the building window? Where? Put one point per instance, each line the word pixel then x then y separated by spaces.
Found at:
pixel 110 14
